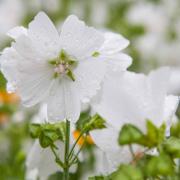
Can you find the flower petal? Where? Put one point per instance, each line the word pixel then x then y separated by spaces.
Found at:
pixel 89 75
pixel 78 39
pixel 113 43
pixel 42 32
pixel 63 101
pixel 17 31
pixel 43 160
pixel 119 61
pixel 106 140
pixel 9 67
pixel 171 104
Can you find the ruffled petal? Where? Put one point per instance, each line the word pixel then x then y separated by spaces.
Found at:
pixel 78 39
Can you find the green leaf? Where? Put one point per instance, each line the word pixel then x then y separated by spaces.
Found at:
pixel 35 130
pixel 128 172
pixel 83 119
pixel 175 130
pixel 96 122
pixel 48 133
pixel 172 147
pixel 44 140
pixel 159 165
pixel 154 136
pixel 129 134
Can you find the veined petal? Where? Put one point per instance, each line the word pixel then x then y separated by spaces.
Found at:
pixel 43 32
pixel 89 75
pixel 34 82
pixel 78 39
pixel 113 43
pixel 63 101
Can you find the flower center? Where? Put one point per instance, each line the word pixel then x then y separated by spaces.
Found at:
pixel 63 65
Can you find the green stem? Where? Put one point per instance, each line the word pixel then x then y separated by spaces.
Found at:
pixel 58 161
pixel 74 145
pixel 76 156
pixel 66 152
pixel 132 152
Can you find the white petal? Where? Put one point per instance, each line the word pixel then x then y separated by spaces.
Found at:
pixel 63 101
pixel 44 34
pixel 8 64
pixel 89 75
pixel 158 82
pixel 34 82
pixel 118 61
pixel 43 160
pixel 171 104
pixel 27 49
pixel 121 99
pixel 107 141
pixel 78 39
pixel 113 43
pixel 17 31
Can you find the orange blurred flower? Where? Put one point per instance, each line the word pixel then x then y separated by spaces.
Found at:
pixel 83 139
pixel 8 98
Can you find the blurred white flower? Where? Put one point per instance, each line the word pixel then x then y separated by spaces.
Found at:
pixel 110 154
pixel 131 98
pixel 60 69
pixel 161 25
pixel 150 15
pixel 174 87
pixel 7 19
pixel 42 161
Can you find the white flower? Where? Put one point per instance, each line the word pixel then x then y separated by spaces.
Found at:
pixel 131 98
pixel 60 69
pixel 110 154
pixel 9 20
pixel 174 87
pixel 43 161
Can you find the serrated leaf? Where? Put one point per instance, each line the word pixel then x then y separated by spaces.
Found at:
pixel 96 122
pixel 154 136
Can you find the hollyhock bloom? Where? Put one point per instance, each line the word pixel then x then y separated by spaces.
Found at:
pixel 131 98
pixel 60 69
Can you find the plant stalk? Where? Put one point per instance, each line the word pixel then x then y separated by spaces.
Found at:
pixel 66 152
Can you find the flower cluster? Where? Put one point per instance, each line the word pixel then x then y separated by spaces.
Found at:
pixel 64 70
